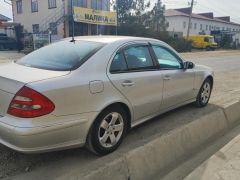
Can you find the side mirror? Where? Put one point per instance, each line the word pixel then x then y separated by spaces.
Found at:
pixel 188 65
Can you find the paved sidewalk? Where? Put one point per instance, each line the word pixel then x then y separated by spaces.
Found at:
pixel 223 165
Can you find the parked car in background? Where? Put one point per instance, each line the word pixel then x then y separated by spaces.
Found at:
pixel 7 43
pixel 203 42
pixel 92 90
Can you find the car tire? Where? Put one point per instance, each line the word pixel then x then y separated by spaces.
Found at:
pixel 108 131
pixel 208 48
pixel 204 93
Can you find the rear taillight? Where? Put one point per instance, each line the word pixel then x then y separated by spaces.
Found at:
pixel 28 103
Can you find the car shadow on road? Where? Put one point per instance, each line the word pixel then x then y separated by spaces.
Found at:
pixel 13 163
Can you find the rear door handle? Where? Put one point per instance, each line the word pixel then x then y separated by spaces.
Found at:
pixel 167 77
pixel 127 83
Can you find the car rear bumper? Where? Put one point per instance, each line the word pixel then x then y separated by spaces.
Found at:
pixel 46 138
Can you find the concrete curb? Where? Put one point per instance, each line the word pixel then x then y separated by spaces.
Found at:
pixel 146 162
pixel 232 113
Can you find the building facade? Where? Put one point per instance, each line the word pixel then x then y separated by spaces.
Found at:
pixel 203 23
pixel 55 17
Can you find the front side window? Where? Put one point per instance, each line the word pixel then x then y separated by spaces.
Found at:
pixel 61 56
pixel 34 5
pixel 52 4
pixel 138 57
pixel 19 6
pixel 118 64
pixel 166 59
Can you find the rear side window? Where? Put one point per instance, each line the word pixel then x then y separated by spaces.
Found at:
pixel 61 56
pixel 118 63
pixel 138 57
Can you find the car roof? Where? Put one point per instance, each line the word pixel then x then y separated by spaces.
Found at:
pixel 108 39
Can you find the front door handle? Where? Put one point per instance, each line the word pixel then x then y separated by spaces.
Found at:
pixel 167 77
pixel 127 83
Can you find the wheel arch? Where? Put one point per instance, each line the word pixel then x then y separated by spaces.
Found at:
pixel 126 109
pixel 210 77
pixel 125 106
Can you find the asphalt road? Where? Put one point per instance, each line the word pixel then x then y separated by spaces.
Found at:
pixel 14 165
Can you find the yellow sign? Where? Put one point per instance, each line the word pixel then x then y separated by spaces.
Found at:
pixel 93 16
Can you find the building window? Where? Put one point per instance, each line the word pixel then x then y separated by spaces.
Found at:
pixel 105 5
pixel 94 4
pixel 52 4
pixel 184 25
pixel 201 27
pixel 191 26
pixel 100 4
pixel 35 28
pixel 80 3
pixel 53 28
pixel 19 6
pixel 206 27
pixel 34 5
pixel 195 26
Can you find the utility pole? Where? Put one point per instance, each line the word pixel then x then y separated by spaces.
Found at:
pixel 190 18
pixel 116 30
pixel 72 17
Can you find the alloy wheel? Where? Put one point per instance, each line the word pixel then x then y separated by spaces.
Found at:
pixel 111 130
pixel 206 91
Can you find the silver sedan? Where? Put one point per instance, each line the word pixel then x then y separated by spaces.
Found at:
pixel 92 90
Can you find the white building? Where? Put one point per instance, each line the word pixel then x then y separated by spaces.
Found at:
pixel 202 23
pixel 55 16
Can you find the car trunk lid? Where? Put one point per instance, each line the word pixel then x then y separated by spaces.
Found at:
pixel 13 77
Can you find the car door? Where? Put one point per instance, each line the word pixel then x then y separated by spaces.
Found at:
pixel 178 83
pixel 134 73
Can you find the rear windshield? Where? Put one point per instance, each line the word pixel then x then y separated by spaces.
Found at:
pixel 61 56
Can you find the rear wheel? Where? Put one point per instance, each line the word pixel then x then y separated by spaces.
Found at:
pixel 208 48
pixel 108 131
pixel 204 93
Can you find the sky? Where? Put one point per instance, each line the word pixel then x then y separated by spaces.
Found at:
pixel 218 7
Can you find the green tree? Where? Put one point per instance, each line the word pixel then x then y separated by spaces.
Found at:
pixel 130 11
pixel 158 21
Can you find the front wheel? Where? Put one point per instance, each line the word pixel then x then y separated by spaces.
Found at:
pixel 108 131
pixel 204 94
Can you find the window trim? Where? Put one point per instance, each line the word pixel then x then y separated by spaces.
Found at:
pixel 171 52
pixel 143 69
